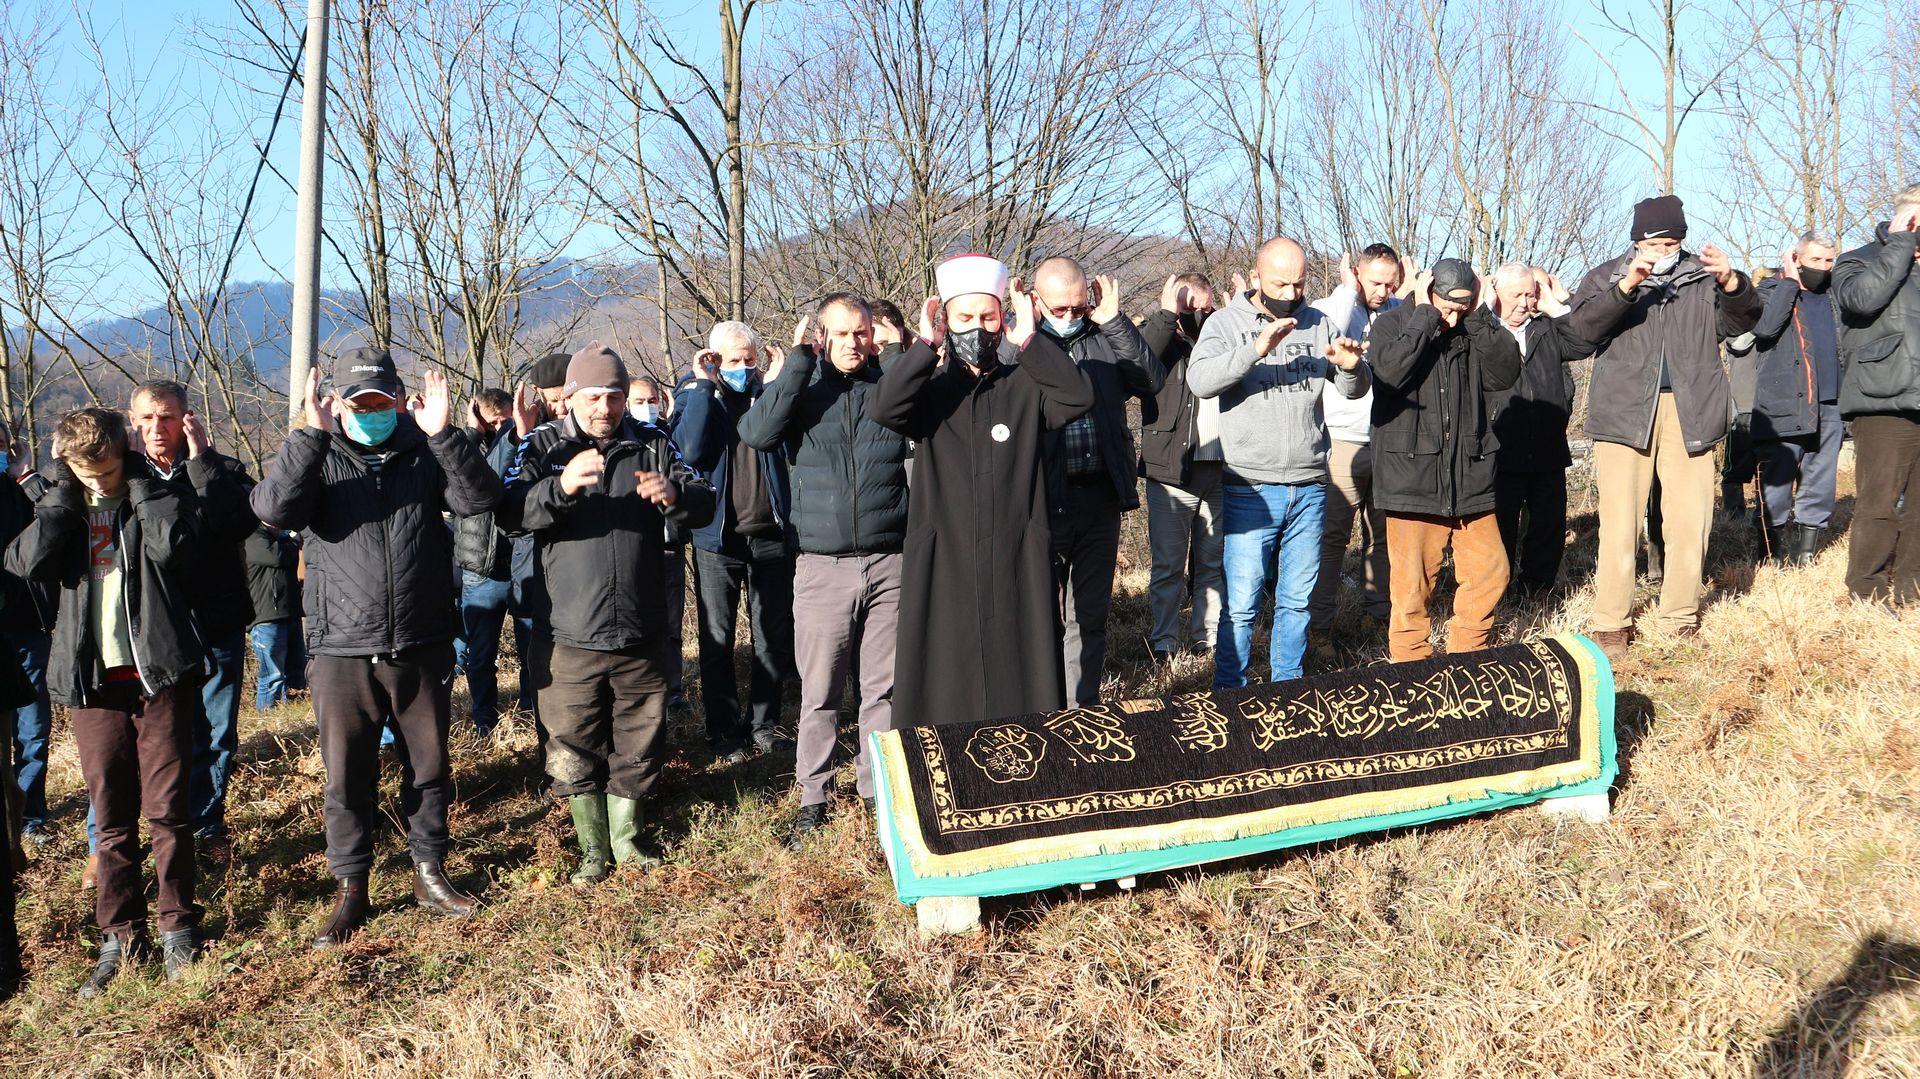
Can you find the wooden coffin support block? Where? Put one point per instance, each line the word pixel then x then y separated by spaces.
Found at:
pixel 1108 792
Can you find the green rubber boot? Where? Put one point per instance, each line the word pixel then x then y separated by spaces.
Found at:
pixel 596 849
pixel 624 816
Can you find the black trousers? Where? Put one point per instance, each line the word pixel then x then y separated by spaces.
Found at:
pixel 1086 546
pixel 763 569
pixel 1532 510
pixel 1883 559
pixel 352 695
pixel 605 711
pixel 9 852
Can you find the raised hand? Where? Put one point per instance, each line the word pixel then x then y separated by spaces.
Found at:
pixel 1344 353
pixel 776 357
pixel 656 488
pixel 1023 317
pixel 933 321
pixel 1638 270
pixel 432 407
pixel 18 460
pixel 1720 266
pixel 1419 289
pixel 527 406
pixel 1271 335
pixel 1790 265
pixel 319 410
pixel 198 440
pixel 1348 279
pixel 805 335
pixel 1170 295
pixel 583 471
pixel 1239 285
pixel 1106 297
pixel 706 365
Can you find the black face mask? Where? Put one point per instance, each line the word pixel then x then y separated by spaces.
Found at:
pixel 1191 322
pixel 1277 308
pixel 1815 280
pixel 977 347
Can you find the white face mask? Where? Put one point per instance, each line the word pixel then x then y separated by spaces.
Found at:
pixel 1666 264
pixel 646 413
pixel 1063 327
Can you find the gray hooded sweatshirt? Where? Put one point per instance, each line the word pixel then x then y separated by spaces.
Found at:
pixel 1272 426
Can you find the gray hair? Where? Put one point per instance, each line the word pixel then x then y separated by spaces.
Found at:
pixel 1907 199
pixel 732 331
pixel 1815 239
pixel 1511 271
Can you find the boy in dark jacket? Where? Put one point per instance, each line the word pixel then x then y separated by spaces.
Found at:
pixel 1441 367
pixel 368 486
pixel 273 578
pixel 122 546
pixel 595 489
pixel 850 512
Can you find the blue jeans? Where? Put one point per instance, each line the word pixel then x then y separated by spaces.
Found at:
pixel 32 724
pixel 216 735
pixel 1257 519
pixel 484 603
pixel 281 654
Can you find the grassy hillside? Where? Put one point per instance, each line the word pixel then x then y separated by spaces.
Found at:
pixel 1753 907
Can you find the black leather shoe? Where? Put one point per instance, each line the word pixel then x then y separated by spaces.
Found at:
pixel 349 913
pixel 432 890
pixel 810 820
pixel 178 951
pixel 113 953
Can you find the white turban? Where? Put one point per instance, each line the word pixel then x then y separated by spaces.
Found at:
pixel 964 275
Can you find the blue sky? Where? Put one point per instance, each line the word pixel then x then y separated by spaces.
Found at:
pixel 162 34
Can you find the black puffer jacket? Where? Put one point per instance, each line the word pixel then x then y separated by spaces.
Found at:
pixel 849 474
pixel 378 553
pixel 479 544
pixel 217 487
pixel 159 553
pixel 1532 425
pixel 1167 418
pixel 599 580
pixel 1879 297
pixel 1435 392
pixel 1681 321
pixel 273 574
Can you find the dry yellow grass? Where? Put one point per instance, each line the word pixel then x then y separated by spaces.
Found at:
pixel 1751 909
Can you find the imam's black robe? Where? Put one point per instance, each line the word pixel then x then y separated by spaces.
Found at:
pixel 979 632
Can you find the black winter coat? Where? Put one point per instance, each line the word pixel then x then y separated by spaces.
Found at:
pixel 1787 346
pixel 218 488
pixel 1682 321
pixel 1532 424
pixel 849 474
pixel 25 606
pixel 979 632
pixel 1879 296
pixel 599 580
pixel 1118 365
pixel 379 556
pixel 273 574
pixel 159 554
pixel 1435 393
pixel 1167 418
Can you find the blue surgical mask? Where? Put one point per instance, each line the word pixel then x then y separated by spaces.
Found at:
pixel 369 428
pixel 736 378
pixel 1063 327
pixel 5 461
pixel 646 413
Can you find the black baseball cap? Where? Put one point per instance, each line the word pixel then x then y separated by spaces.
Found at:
pixel 366 370
pixel 1454 280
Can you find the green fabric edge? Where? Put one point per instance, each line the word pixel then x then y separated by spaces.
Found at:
pixel 1099 867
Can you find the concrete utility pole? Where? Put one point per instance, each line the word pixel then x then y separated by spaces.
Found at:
pixel 306 237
